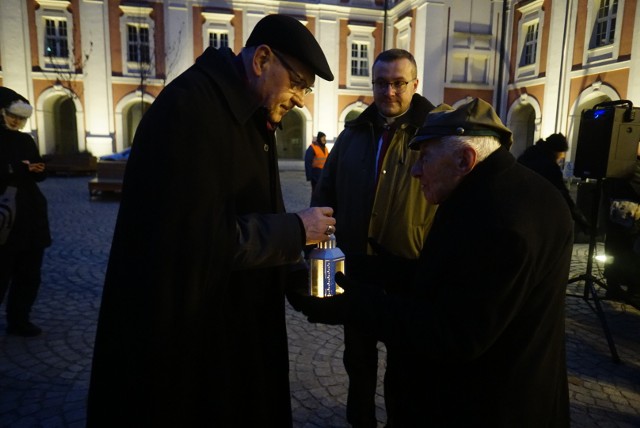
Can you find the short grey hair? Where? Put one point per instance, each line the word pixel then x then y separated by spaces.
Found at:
pixel 483 145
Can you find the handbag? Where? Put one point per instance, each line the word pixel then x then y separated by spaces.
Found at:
pixel 7 212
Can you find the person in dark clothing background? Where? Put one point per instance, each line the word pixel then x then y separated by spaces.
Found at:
pixel 367 181
pixel 481 331
pixel 544 158
pixel 191 329
pixel 315 158
pixel 622 238
pixel 23 244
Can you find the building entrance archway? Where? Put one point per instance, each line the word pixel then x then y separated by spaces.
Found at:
pixel 131 119
pixel 60 124
pixel 290 139
pixel 523 126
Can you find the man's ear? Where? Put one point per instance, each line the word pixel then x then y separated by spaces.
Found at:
pixel 467 160
pixel 262 57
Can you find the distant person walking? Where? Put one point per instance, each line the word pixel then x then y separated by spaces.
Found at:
pixel 314 159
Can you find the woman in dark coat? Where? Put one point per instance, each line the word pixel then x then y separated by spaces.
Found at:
pixel 22 247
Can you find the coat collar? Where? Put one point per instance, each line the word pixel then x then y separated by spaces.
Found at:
pixel 495 164
pixel 420 106
pixel 218 65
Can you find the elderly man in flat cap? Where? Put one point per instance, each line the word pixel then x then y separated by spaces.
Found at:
pixel 191 329
pixel 481 336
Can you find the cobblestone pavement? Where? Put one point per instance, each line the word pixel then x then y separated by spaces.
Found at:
pixel 44 380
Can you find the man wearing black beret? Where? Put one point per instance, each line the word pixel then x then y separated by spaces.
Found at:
pixel 481 334
pixel 191 329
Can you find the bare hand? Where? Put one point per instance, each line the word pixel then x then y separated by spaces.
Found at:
pixel 36 167
pixel 316 220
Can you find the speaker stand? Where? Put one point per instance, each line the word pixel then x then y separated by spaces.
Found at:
pixel 590 292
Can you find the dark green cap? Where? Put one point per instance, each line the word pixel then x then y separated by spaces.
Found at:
pixel 475 118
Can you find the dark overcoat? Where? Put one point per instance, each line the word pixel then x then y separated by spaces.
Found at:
pixel 482 339
pixel 543 161
pixel 191 330
pixel 31 227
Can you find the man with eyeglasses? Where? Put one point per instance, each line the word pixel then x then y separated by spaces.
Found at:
pixel 367 181
pixel 192 327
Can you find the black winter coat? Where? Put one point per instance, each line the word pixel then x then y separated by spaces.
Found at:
pixel 542 161
pixel 31 227
pixel 481 339
pixel 192 329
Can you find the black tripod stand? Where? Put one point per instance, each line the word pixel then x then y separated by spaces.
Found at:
pixel 590 292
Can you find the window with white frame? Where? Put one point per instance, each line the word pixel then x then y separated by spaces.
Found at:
pixel 55 35
pixel 138 48
pixel 55 40
pixel 217 30
pixel 603 30
pixel 529 30
pixel 137 31
pixel 360 42
pixel 218 39
pixel 530 49
pixel 470 54
pixel 359 59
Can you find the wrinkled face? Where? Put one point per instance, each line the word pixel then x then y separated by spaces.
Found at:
pixel 283 84
pixel 13 122
pixel 390 95
pixel 437 168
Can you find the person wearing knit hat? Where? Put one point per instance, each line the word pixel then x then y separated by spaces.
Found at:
pixel 15 114
pixel 14 109
pixel 545 158
pixel 556 142
pixel 24 233
pixel 192 318
pixel 481 328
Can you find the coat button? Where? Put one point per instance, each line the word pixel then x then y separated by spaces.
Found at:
pixel 266 147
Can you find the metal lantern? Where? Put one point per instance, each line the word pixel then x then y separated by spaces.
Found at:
pixel 325 260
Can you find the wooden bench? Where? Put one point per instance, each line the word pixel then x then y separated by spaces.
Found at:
pixel 109 177
pixel 70 164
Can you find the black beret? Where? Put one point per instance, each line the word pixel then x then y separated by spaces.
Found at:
pixel 288 35
pixel 475 118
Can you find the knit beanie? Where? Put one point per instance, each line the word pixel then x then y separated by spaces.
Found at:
pixel 556 143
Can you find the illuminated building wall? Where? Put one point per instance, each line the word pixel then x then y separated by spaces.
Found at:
pixel 92 67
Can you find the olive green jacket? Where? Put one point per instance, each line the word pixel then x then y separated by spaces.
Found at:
pixel 394 211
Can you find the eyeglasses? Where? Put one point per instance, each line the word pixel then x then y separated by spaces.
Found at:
pixel 297 82
pixel 14 116
pixel 399 86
